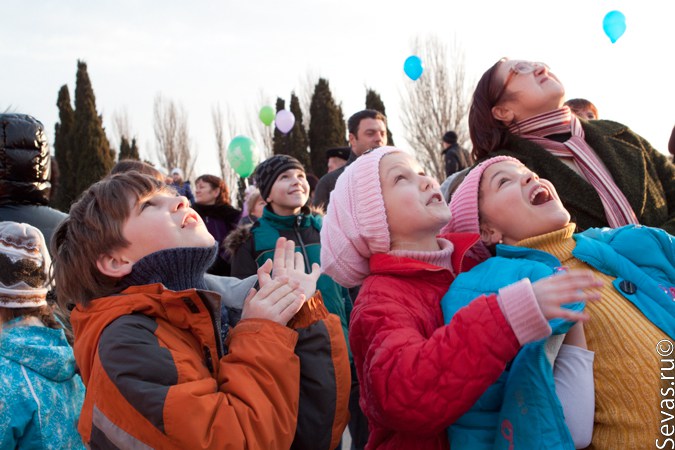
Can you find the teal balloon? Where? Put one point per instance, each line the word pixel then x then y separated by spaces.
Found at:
pixel 614 25
pixel 243 156
pixel 413 67
pixel 266 115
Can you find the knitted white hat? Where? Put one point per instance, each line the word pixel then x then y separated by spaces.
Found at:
pixel 355 226
pixel 24 266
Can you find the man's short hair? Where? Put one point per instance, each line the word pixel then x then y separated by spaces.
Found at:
pixel 450 138
pixel 94 228
pixel 355 120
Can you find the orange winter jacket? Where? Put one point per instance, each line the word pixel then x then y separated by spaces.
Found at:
pixel 156 376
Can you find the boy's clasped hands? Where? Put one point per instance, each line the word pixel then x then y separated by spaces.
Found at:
pixel 284 286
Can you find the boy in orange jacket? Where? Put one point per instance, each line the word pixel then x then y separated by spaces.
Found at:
pixel 132 257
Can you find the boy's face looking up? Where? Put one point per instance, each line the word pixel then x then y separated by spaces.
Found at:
pixel 289 192
pixel 156 222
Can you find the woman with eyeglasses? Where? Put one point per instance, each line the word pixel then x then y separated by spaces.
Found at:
pixel 606 174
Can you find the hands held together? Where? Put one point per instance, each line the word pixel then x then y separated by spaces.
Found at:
pixel 284 286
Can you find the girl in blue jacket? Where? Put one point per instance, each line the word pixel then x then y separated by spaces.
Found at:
pixel 40 394
pixel 521 219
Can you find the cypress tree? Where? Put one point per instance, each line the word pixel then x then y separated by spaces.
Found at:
pixel 93 157
pixel 326 127
pixel 297 138
pixel 63 135
pixel 373 101
pixel 129 150
pixel 279 140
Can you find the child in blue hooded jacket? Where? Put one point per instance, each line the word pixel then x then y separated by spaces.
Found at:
pixel 541 399
pixel 40 394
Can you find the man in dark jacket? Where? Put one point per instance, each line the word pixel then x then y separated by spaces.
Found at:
pixel 367 129
pixel 456 158
pixel 25 173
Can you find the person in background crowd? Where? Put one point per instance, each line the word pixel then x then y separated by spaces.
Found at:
pixel 254 205
pixel 456 157
pixel 212 203
pixel 25 173
pixel 583 108
pixel 41 394
pixel 606 175
pixel 337 157
pixel 182 186
pixel 367 129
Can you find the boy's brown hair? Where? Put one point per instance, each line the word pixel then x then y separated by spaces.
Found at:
pixel 94 228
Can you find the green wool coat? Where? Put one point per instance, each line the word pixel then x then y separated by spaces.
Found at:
pixel 645 176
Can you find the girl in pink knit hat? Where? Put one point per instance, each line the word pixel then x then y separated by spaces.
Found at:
pixel 417 375
pixel 522 221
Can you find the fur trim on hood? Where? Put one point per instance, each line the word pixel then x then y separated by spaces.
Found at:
pixel 236 239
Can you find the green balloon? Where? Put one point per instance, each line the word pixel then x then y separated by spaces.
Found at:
pixel 266 115
pixel 242 154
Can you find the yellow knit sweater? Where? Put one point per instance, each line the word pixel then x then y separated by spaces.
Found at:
pixel 627 367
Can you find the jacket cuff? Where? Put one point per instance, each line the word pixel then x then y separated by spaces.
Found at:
pixel 312 311
pixel 522 312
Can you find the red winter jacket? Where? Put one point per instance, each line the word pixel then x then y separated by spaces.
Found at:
pixel 417 375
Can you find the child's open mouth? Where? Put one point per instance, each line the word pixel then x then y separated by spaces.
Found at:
pixel 540 195
pixel 436 198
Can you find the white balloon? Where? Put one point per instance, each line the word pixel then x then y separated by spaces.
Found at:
pixel 284 121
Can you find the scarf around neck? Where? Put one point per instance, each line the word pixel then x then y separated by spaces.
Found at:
pixel 177 269
pixel 536 129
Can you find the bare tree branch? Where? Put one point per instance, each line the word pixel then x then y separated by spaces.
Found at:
pixel 435 103
pixel 172 138
pixel 260 133
pixel 121 128
pixel 224 132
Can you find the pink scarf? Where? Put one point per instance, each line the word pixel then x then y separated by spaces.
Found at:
pixel 617 209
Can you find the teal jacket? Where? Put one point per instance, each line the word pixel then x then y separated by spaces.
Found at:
pixel 304 229
pixel 40 394
pixel 522 408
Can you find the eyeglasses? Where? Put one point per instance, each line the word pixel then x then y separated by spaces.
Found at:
pixel 520 68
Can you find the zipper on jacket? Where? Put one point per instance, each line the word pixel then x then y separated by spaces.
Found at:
pixel 207 358
pixel 301 243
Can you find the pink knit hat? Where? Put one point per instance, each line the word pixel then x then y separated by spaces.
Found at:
pixel 355 226
pixel 464 207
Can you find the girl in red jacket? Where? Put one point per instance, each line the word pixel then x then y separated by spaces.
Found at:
pixel 417 375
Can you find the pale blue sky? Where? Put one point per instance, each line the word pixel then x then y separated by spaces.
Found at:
pixel 205 53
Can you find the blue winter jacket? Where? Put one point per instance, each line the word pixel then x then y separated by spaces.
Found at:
pixel 521 410
pixel 40 394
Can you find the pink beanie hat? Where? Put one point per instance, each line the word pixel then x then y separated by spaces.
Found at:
pixel 355 226
pixel 464 206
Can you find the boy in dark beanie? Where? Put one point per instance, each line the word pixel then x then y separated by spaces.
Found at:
pixel 283 185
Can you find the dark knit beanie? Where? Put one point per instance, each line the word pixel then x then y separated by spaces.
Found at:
pixel 269 170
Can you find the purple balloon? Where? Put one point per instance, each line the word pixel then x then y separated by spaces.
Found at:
pixel 284 121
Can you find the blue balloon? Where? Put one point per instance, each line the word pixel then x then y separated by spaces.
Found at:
pixel 413 67
pixel 614 25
